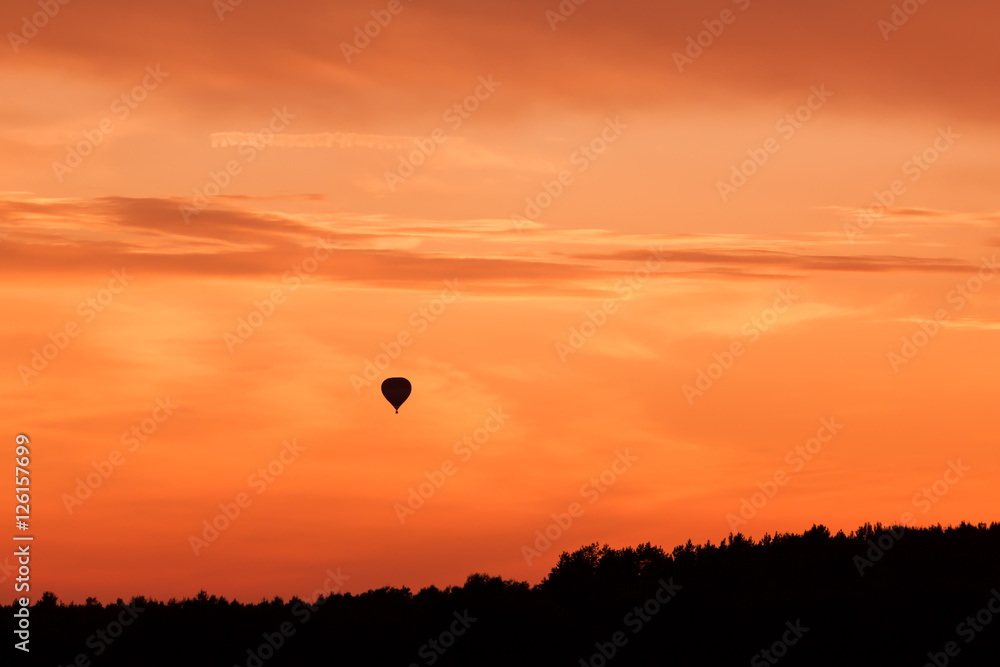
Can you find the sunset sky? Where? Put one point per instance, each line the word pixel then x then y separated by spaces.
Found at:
pixel 570 220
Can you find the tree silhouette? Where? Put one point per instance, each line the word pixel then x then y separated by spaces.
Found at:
pixel 698 604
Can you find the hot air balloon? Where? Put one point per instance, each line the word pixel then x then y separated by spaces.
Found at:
pixel 396 390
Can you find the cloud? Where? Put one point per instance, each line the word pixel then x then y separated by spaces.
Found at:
pixel 66 236
pixel 603 56
pixel 795 261
pixel 314 140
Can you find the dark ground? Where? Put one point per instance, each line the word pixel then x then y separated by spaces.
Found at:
pixel 799 597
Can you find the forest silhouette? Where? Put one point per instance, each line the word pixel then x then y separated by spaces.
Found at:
pixel 883 595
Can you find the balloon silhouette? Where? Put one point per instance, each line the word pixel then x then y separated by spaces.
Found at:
pixel 396 390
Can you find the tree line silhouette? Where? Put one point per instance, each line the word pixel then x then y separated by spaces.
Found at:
pixel 878 596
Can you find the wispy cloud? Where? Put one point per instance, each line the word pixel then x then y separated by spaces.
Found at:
pixel 59 235
pixel 315 140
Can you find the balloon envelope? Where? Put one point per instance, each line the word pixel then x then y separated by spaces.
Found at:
pixel 396 390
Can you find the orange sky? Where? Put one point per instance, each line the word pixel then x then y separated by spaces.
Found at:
pixel 576 174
